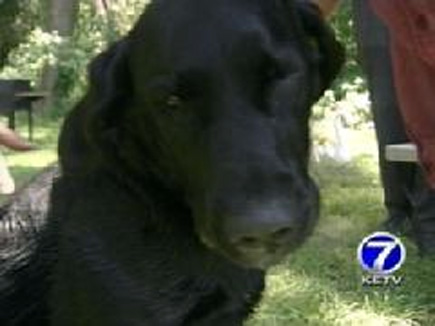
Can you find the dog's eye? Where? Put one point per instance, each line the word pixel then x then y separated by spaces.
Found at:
pixel 173 101
pixel 182 92
pixel 269 74
pixel 270 71
pixel 172 104
pixel 272 74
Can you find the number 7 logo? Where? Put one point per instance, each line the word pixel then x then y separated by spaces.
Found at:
pixel 381 253
pixel 387 247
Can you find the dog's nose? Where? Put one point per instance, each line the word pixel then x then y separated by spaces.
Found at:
pixel 263 230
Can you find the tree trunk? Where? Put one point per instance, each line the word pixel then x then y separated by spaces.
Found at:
pixel 61 17
pixel 101 6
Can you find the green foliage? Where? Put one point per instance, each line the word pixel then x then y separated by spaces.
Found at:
pixel 27 60
pixel 90 38
pixel 92 34
pixel 17 18
pixel 343 25
pixel 348 99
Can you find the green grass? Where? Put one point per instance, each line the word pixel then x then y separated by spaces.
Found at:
pixel 320 285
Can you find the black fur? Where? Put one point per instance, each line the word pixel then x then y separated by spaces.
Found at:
pixel 193 122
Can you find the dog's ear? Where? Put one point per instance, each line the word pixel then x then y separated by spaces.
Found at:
pixel 109 94
pixel 331 54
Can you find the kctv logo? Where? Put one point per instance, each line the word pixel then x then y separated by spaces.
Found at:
pixel 381 254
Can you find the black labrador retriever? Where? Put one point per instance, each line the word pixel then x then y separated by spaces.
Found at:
pixel 183 170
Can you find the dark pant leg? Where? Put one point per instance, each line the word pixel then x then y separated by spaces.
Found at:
pixel 373 42
pixel 423 198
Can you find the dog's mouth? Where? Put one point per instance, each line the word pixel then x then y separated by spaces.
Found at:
pixel 255 258
pixel 259 259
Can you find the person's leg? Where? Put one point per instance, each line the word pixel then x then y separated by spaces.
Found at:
pixel 374 52
pixel 423 198
pixel 7 184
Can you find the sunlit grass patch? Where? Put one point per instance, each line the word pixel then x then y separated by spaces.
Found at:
pixel 296 298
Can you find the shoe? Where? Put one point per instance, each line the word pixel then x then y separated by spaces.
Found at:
pixel 426 253
pixel 397 225
pixel 425 241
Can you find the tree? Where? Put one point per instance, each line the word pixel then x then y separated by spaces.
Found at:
pixel 62 15
pixel 17 18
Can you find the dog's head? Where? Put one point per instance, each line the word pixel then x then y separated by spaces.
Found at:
pixel 213 98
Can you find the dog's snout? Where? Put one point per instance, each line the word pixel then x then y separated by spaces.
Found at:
pixel 259 219
pixel 263 230
pixel 261 227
